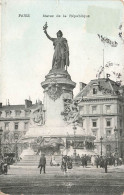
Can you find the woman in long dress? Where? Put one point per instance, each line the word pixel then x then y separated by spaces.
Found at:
pixel 61 53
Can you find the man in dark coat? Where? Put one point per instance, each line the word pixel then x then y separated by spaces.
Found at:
pixel 42 163
pixel 97 161
pixel 105 164
pixel 83 160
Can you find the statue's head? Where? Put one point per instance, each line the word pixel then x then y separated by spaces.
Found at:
pixel 59 33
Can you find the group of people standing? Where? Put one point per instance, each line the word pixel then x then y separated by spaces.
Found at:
pixel 84 160
pixel 111 160
pixel 4 165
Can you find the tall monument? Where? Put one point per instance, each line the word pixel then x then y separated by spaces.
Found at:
pixel 55 127
pixel 58 85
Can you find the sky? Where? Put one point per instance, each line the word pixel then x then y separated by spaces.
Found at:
pixel 26 54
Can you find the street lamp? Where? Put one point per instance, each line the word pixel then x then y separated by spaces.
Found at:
pixel 44 116
pixel 16 147
pixel 101 144
pixel 116 138
pixel 74 128
pixel 1 131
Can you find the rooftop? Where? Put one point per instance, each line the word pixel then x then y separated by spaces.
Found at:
pixel 107 86
pixel 18 107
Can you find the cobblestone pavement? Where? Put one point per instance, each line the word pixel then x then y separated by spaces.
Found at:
pixel 79 180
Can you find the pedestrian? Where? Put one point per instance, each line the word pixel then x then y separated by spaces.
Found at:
pixel 110 160
pixel 101 162
pixel 93 160
pixel 69 163
pixel 82 160
pixel 113 160
pixel 2 166
pixel 97 161
pixel 42 163
pixel 85 160
pixel 5 168
pixel 105 164
pixel 64 165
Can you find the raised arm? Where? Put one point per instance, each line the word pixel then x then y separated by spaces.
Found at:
pixel 45 31
pixel 48 35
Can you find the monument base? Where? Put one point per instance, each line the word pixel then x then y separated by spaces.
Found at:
pixel 60 140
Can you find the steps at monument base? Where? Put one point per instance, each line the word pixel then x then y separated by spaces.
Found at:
pixel 33 160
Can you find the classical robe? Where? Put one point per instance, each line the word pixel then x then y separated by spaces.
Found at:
pixel 61 53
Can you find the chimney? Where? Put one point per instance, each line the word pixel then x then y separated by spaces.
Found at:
pixel 39 102
pixel 82 85
pixel 8 103
pixel 28 103
pixel 0 105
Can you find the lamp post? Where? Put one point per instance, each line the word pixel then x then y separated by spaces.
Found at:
pixel 16 147
pixel 116 139
pixel 74 128
pixel 44 116
pixel 1 131
pixel 101 138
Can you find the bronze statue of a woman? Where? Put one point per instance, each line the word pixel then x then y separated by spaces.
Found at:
pixel 61 53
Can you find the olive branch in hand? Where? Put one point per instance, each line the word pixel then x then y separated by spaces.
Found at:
pixel 45 26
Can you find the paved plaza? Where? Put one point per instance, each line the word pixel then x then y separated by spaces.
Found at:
pixel 79 180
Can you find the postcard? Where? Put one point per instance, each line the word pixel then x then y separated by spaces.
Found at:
pixel 62 97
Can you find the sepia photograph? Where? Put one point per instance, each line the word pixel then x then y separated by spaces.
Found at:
pixel 62 97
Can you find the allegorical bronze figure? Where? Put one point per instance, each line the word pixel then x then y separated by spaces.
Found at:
pixel 61 53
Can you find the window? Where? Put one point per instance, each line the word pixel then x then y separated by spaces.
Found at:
pixel 108 123
pixel 16 126
pixel 26 125
pixel 8 113
pixel 108 133
pixel 120 132
pixel 94 109
pixel 108 108
pixel 6 126
pixel 94 123
pixel 94 91
pixel 94 133
pixel 120 122
pixel 18 112
pixel 27 112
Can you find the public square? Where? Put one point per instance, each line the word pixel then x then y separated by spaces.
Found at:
pixel 79 180
pixel 62 99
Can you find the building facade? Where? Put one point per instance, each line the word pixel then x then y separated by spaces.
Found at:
pixel 15 121
pixel 101 113
pixel 101 107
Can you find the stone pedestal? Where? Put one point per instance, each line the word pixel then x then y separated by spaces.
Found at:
pixel 56 129
pixel 57 87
